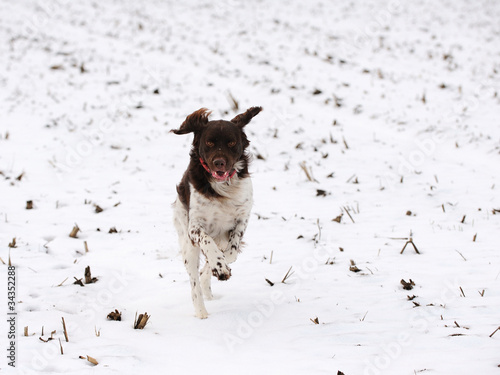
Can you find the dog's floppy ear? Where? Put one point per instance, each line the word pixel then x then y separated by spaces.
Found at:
pixel 194 122
pixel 244 118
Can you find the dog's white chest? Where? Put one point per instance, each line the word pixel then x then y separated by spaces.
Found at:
pixel 220 215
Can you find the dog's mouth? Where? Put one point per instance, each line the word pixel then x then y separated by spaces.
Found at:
pixel 220 174
pixel 223 176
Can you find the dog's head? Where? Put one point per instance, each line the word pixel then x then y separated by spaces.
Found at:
pixel 218 145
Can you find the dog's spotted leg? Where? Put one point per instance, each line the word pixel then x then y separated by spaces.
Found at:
pixel 191 256
pixel 233 247
pixel 215 257
pixel 205 278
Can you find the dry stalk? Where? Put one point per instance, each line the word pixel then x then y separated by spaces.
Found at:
pixel 142 320
pixel 115 315
pixel 92 360
pixel 88 276
pixel 407 285
pixel 345 143
pixel 347 212
pixel 461 254
pixel 495 331
pixel 270 282
pixel 74 231
pixel 63 282
pixel 364 316
pixel 410 241
pixel 353 267
pixel 338 219
pixel 233 102
pixel 350 178
pixel 307 171
pixel 287 275
pixel 318 237
pixel 65 330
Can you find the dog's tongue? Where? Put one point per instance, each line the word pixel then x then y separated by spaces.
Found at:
pixel 219 175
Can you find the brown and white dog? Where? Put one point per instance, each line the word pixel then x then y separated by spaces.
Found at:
pixel 214 199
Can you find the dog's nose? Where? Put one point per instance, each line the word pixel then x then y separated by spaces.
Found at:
pixel 220 164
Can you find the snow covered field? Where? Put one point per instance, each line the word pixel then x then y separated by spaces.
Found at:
pixel 392 108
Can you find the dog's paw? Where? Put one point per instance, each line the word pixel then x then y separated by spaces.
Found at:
pixel 221 271
pixel 200 311
pixel 199 307
pixel 202 314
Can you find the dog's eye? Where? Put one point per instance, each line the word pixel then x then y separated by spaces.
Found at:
pixel 209 144
pixel 232 144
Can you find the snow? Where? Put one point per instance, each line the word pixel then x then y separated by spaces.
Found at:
pixel 405 119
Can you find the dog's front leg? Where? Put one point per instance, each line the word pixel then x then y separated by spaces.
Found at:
pixel 233 247
pixel 215 257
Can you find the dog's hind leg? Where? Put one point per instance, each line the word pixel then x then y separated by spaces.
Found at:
pixel 191 256
pixel 205 279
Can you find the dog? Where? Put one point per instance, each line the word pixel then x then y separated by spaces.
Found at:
pixel 214 199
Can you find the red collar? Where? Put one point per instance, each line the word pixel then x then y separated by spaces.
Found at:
pixel 225 177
